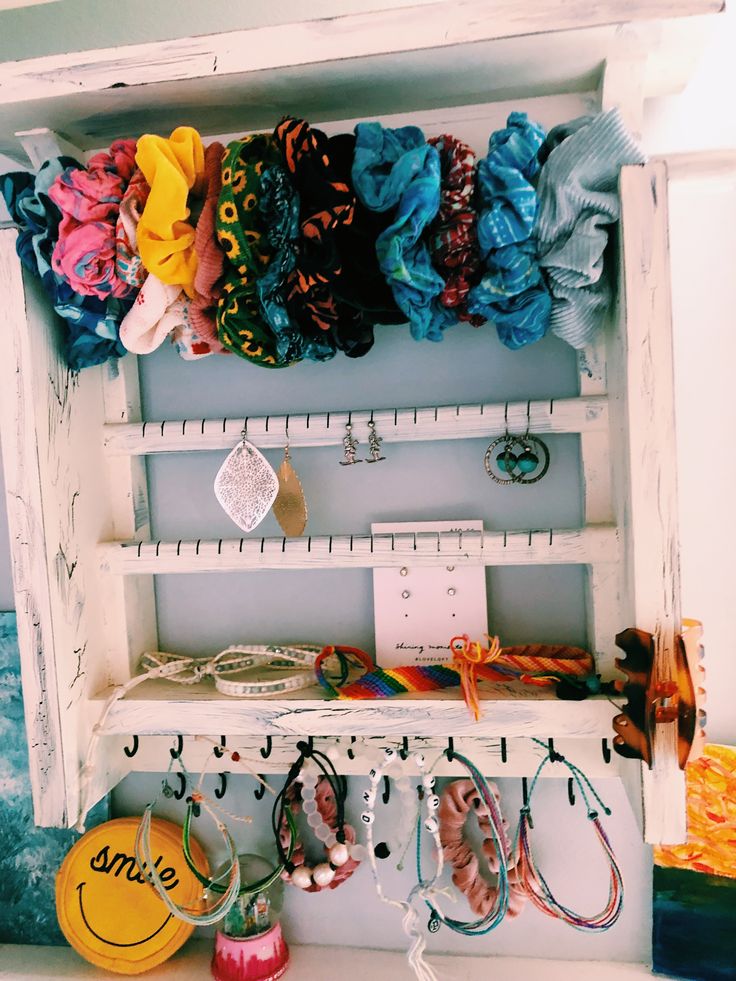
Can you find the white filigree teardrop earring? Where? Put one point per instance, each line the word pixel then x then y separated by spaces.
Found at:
pixel 246 485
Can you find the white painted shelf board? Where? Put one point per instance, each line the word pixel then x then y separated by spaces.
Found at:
pixel 573 415
pixel 312 963
pixel 160 706
pixel 548 546
pixel 365 61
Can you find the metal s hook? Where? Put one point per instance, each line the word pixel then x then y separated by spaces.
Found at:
pixel 504 750
pixel 179 794
pixel 176 753
pixel 261 788
pixel 350 753
pixel 222 789
pixel 605 749
pixel 219 751
pixel 571 791
pixel 386 795
pixel 130 751
pixel 450 751
pixel 404 751
pixel 265 753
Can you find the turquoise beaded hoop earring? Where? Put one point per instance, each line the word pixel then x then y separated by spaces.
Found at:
pixel 509 467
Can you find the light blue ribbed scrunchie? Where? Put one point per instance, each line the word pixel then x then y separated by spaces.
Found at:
pixel 512 293
pixel 396 168
pixel 578 203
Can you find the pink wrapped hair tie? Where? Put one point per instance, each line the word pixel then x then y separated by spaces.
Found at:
pixel 458 799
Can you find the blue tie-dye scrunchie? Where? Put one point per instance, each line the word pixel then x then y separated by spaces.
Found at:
pixel 398 169
pixel 512 292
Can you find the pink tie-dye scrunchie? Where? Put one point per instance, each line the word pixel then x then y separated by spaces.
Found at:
pixel 89 200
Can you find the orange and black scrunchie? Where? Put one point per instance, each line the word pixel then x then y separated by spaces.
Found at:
pixel 243 235
pixel 453 242
pixel 326 204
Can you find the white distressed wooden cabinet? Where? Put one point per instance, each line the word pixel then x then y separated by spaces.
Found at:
pixel 74 446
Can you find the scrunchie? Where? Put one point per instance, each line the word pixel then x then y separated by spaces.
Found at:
pixel 202 339
pixel 279 207
pixel 92 323
pixel 173 167
pixel 326 203
pixel 327 809
pixel 397 169
pixel 128 265
pixel 243 236
pixel 453 239
pixel 364 296
pixel 456 802
pixel 512 292
pixel 578 200
pixel 89 201
pixel 157 311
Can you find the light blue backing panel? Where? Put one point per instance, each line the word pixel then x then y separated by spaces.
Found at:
pixel 417 481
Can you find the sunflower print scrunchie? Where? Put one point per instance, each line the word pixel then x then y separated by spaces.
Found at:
pixel 243 236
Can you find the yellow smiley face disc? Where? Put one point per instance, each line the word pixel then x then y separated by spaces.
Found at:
pixel 108 913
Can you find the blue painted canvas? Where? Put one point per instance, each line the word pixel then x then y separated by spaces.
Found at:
pixel 29 856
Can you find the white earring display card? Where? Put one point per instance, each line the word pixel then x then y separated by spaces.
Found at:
pixel 418 610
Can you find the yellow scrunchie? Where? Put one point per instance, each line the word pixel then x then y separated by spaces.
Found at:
pixel 173 168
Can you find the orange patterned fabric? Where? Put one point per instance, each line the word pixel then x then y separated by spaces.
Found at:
pixel 711 817
pixel 326 204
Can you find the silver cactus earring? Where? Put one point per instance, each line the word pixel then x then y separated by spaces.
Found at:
pixel 350 446
pixel 374 444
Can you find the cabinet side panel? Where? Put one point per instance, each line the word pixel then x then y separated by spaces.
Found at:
pixel 27 539
pixel 59 510
pixel 650 519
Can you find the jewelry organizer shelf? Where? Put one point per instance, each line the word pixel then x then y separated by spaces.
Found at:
pixel 580 546
pixel 74 446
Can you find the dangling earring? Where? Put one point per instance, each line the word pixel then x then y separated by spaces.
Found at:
pixel 246 484
pixel 290 507
pixel 517 462
pixel 374 444
pixel 350 445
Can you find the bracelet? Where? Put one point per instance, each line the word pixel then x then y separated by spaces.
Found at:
pixel 497 910
pixel 246 888
pixel 317 801
pixel 423 889
pixel 534 883
pixel 240 658
pixel 204 915
pixel 457 801
pixel 327 820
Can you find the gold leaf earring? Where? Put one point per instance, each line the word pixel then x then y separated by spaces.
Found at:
pixel 290 506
